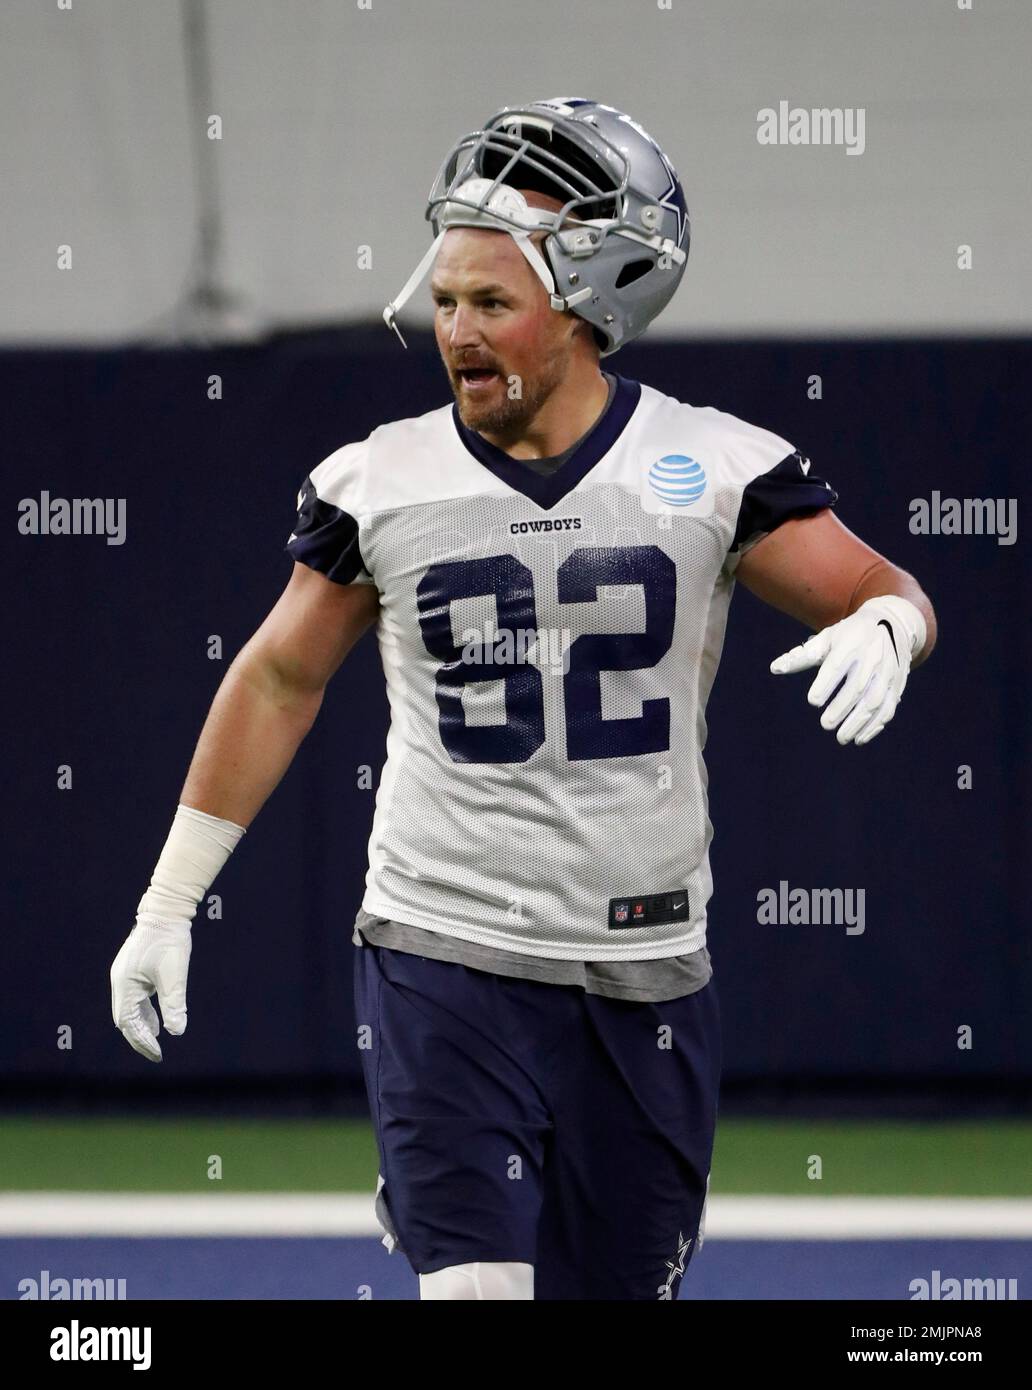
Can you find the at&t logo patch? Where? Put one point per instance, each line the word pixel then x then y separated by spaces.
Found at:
pixel 678 480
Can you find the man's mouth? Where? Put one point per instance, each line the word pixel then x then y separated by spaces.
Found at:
pixel 477 378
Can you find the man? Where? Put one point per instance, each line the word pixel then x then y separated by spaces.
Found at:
pixel 550 564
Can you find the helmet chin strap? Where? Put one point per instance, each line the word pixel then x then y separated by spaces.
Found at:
pixel 507 203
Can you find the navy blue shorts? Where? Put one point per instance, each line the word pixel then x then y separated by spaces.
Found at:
pixel 522 1121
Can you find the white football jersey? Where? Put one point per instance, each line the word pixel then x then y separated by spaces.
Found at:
pixel 549 644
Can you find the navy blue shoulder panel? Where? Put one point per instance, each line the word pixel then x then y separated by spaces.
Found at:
pixel 548 489
pixel 325 538
pixel 789 489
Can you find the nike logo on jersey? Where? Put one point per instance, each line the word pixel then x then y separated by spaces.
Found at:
pixel 648 909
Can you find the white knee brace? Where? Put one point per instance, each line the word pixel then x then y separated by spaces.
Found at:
pixel 480 1281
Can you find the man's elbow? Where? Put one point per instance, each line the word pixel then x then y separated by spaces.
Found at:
pixel 906 586
pixel 286 685
pixel 931 627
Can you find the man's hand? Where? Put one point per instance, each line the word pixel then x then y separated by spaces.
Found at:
pixel 154 958
pixel 870 651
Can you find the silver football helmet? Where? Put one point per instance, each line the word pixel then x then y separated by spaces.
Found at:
pixel 615 251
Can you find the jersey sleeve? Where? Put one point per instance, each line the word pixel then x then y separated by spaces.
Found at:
pixel 761 480
pixel 326 532
pixel 788 489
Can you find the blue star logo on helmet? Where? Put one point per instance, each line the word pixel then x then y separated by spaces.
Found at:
pixel 673 197
pixel 677 480
pixel 673 194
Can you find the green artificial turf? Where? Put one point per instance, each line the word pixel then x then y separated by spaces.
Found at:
pixel 761 1156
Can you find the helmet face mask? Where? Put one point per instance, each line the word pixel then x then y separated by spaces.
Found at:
pixel 616 248
pixel 523 154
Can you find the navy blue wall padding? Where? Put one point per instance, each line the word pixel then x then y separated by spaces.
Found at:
pixel 107 671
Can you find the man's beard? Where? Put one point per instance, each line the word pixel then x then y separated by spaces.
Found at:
pixel 510 418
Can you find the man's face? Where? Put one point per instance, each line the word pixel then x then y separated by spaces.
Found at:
pixel 503 345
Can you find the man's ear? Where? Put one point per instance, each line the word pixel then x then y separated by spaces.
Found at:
pixel 576 325
pixel 584 330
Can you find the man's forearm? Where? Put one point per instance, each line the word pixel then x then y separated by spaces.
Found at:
pixel 255 726
pixel 885 578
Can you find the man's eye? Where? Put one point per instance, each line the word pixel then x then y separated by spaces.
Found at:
pixel 444 303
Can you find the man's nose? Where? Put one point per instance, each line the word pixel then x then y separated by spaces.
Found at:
pixel 465 330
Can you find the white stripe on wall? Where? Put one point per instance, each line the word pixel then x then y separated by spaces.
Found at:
pixel 318 1214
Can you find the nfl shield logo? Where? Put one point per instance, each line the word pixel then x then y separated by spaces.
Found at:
pixel 620 912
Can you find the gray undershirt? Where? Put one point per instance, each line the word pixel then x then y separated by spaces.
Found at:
pixel 641 981
pixel 553 464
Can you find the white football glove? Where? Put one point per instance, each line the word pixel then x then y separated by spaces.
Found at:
pixel 154 959
pixel 155 956
pixel 872 650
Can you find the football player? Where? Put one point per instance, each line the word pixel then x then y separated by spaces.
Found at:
pixel 549 562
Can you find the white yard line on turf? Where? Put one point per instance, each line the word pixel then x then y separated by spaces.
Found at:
pixel 318 1214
